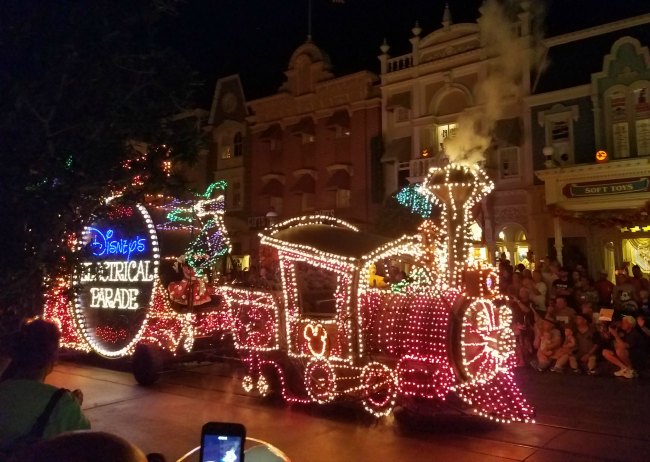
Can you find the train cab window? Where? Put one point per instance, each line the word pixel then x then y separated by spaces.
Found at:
pixel 316 291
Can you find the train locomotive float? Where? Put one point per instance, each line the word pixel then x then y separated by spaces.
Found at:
pixel 440 330
pixel 338 330
pixel 140 287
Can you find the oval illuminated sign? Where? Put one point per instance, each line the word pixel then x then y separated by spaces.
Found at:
pixel 115 278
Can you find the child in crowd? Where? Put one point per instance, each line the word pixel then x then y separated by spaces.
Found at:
pixel 567 350
pixel 548 341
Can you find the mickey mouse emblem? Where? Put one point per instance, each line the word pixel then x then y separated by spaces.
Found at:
pixel 317 340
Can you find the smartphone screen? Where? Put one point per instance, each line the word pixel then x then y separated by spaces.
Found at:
pixel 222 443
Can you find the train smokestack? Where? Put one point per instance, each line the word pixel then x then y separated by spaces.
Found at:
pixel 456 188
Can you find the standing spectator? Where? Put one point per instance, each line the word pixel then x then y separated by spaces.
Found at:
pixel 629 348
pixel 585 292
pixel 24 396
pixel 644 303
pixel 541 291
pixel 562 286
pixel 605 288
pixel 623 291
pixel 550 270
pixel 523 315
pixel 638 281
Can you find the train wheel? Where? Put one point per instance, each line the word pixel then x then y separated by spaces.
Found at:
pixel 486 340
pixel 320 381
pixel 379 388
pixel 147 364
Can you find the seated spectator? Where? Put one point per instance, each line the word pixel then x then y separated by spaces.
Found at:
pixel 584 357
pixel 24 397
pixel 629 348
pixel 563 312
pixel 587 309
pixel 85 446
pixel 548 340
pixel 565 351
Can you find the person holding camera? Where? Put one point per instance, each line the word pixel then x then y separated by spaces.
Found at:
pixel 629 348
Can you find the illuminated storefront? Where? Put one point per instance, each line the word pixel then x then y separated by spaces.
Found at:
pixel 607 204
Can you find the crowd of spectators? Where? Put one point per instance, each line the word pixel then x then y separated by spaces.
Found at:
pixel 566 321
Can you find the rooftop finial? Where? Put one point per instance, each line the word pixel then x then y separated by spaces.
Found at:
pixel 384 47
pixel 446 17
pixel 417 30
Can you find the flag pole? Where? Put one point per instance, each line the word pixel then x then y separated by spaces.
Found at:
pixel 309 20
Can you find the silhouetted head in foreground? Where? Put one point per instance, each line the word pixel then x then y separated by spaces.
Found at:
pixel 85 446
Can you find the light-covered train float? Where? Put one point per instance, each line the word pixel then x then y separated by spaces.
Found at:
pixel 433 327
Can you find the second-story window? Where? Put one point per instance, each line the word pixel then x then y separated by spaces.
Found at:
pixel 509 167
pixel 445 132
pixel 238 147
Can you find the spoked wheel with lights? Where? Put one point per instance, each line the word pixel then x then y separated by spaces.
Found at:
pixel 486 340
pixel 320 381
pixel 379 388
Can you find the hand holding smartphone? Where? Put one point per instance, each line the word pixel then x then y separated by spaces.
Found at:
pixel 222 442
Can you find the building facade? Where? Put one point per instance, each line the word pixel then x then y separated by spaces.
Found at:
pixel 591 143
pixel 464 81
pixel 314 143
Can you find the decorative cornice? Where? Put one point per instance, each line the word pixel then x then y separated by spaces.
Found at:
pixel 597 30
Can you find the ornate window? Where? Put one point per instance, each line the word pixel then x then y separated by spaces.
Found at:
pixel 558 125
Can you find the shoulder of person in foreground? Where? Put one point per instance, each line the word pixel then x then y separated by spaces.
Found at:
pixel 67 416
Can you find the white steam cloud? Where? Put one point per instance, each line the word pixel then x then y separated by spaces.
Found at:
pixel 509 57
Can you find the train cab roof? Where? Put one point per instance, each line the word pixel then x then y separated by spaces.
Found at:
pixel 343 242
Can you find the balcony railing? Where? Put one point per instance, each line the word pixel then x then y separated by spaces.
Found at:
pixel 400 62
pixel 418 168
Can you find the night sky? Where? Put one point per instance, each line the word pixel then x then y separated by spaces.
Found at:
pixel 255 38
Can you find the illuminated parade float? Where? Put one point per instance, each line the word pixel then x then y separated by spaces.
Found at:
pixel 140 287
pixel 351 335
pixel 430 327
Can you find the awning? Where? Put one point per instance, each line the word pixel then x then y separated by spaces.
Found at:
pixel 274 132
pixel 304 185
pixel 339 119
pixel 398 150
pixel 305 126
pixel 507 132
pixel 402 100
pixel 273 188
pixel 340 179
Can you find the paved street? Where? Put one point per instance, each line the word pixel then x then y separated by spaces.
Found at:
pixel 579 418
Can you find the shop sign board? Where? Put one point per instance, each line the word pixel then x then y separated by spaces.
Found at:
pixel 606 188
